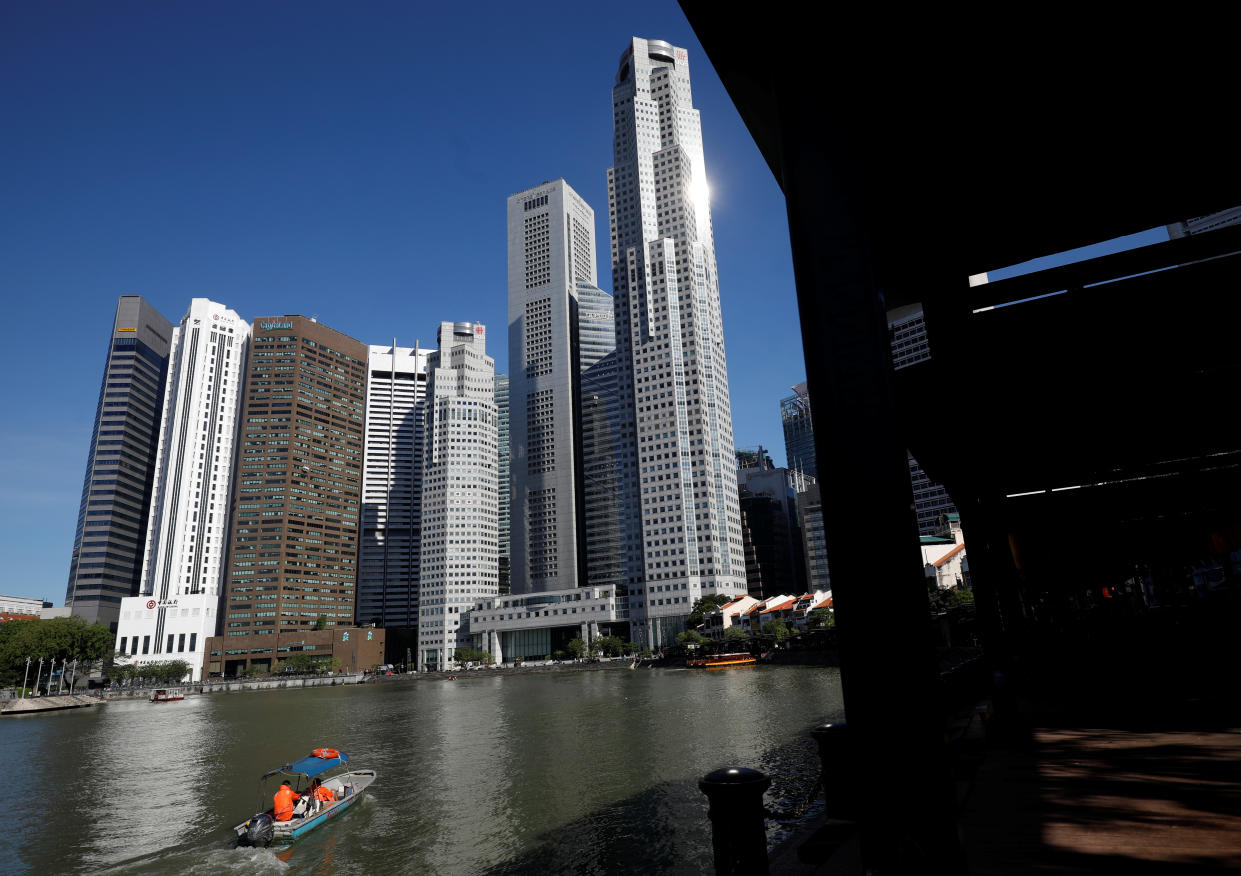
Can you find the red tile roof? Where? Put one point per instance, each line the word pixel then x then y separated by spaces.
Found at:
pixel 948 556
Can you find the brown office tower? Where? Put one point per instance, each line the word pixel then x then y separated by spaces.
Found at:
pixel 294 548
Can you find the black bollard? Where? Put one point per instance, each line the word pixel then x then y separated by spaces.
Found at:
pixel 837 770
pixel 738 837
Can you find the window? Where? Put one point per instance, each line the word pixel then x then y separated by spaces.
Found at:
pixel 146 644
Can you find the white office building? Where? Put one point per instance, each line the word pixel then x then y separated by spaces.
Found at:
pixel 670 342
pixel 391 544
pixel 561 328
pixel 460 494
pixel 178 604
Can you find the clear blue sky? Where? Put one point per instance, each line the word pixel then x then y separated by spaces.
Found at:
pixel 349 161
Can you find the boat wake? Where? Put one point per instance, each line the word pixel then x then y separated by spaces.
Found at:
pixel 193 859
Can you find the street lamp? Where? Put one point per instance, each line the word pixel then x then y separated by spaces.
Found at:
pixel 26 677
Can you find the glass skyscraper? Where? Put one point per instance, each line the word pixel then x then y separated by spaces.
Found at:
pixel 109 544
pixel 798 431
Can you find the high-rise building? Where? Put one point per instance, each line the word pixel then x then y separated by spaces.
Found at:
pixel 686 534
pixel 911 345
pixel 799 431
pixel 459 491
pixel 814 538
pixel 177 608
pixel 601 426
pixel 391 546
pixel 774 548
pixel 106 565
pixel 298 496
pixel 503 466
pixel 561 325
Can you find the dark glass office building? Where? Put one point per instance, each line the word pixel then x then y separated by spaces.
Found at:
pixel 116 494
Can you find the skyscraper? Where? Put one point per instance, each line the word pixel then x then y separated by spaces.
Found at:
pixel 459 491
pixel 686 534
pixel 186 536
pixel 911 345
pixel 503 461
pixel 390 551
pixel 560 326
pixel 106 564
pixel 298 498
pixel 799 431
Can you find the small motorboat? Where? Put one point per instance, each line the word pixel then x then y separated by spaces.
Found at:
pixel 345 784
pixel 166 695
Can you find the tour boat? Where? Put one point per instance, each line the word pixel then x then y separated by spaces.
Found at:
pixel 170 695
pixel 346 786
pixel 719 661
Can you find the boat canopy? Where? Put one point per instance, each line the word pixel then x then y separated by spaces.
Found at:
pixel 310 766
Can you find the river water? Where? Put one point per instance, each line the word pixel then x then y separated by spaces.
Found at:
pixel 550 772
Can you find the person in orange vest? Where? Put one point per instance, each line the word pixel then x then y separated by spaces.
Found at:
pixel 282 802
pixel 321 793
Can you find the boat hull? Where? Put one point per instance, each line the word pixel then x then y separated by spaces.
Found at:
pixel 723 661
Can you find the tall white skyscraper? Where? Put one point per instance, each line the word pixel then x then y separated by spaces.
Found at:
pixel 556 315
pixel 460 496
pixel 179 601
pixel 686 537
pixel 391 544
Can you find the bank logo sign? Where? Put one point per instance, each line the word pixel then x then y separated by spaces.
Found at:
pixel 270 325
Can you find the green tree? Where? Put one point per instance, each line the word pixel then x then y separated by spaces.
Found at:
pixel 735 634
pixel 630 648
pixel 706 604
pixel 823 618
pixel 777 628
pixel 576 648
pixel 690 637
pixel 59 639
pixel 321 622
pixel 472 655
pixel 611 646
pixel 295 663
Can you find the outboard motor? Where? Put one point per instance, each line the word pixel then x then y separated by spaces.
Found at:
pixel 259 830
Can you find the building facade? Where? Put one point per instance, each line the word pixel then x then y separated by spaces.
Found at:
pixel 503 468
pixel 391 543
pixel 551 249
pixel 460 493
pixel 685 538
pixel 298 493
pixel 911 345
pixel 814 538
pixel 799 430
pixel 177 608
pixel 774 547
pixel 108 544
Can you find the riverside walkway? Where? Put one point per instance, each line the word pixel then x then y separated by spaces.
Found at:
pixel 1159 795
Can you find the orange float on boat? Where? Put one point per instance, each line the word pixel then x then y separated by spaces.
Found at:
pixel 325 753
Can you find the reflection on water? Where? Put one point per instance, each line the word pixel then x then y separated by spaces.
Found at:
pixel 572 772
